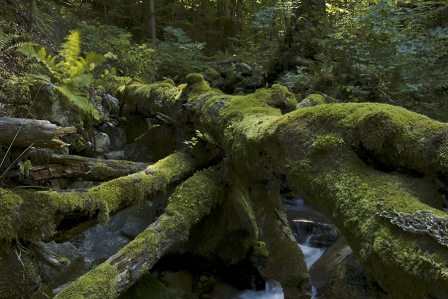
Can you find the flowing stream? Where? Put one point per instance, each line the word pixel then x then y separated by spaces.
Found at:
pixel 273 289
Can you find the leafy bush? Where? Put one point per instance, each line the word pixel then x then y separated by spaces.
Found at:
pixel 178 55
pixel 130 59
pixel 392 46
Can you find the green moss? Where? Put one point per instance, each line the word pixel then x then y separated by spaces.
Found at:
pixel 100 282
pixel 229 232
pixel 10 203
pixel 146 98
pixel 259 256
pixel 194 78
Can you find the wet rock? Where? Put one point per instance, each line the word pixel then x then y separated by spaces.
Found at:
pixel 180 278
pixel 338 274
pixel 134 220
pixel 100 143
pixel 318 234
pixel 67 273
pixel 115 155
pixel 116 135
pixel 150 287
pixel 243 68
pixel 99 244
pixel 82 185
pixel 230 84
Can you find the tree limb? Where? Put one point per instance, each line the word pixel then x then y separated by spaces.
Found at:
pixel 191 201
pixel 41 133
pixel 36 215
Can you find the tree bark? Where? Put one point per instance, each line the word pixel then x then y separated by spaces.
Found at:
pixel 26 132
pixel 87 169
pixel 152 20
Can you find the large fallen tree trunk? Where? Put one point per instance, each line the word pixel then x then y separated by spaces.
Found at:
pixel 32 132
pixel 378 171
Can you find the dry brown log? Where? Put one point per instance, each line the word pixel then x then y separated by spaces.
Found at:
pixel 88 169
pixel 26 132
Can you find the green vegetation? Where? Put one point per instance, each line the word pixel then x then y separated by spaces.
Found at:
pixel 71 75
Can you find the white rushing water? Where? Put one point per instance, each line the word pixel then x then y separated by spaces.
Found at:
pixel 273 289
pixel 312 254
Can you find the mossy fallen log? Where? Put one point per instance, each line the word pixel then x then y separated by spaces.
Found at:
pixel 356 163
pixel 36 215
pixel 191 201
pixel 374 169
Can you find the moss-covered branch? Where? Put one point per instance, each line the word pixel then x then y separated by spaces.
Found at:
pixel 191 201
pixel 35 215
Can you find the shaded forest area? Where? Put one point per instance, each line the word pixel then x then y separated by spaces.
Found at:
pixel 205 114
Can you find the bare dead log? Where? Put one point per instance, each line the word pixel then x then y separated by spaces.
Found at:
pixel 26 132
pixel 187 206
pixel 89 169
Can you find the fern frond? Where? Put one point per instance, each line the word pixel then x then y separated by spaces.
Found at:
pixel 95 59
pixel 42 77
pixel 80 80
pixel 79 98
pixel 5 40
pixel 71 49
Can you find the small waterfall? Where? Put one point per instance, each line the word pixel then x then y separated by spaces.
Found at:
pixel 313 233
pixel 273 290
pixel 312 254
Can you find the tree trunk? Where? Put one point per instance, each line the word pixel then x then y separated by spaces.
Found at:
pixel 31 132
pixel 378 171
pixel 152 20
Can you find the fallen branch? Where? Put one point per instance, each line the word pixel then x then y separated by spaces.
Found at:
pixel 40 132
pixel 191 201
pixel 89 169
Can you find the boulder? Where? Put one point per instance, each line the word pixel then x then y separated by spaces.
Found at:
pixel 100 143
pixel 116 135
pixel 338 274
pixel 243 68
pixel 67 273
pixel 230 84
pixel 99 244
pixel 115 155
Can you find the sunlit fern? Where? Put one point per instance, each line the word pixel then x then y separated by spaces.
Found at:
pixel 68 71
